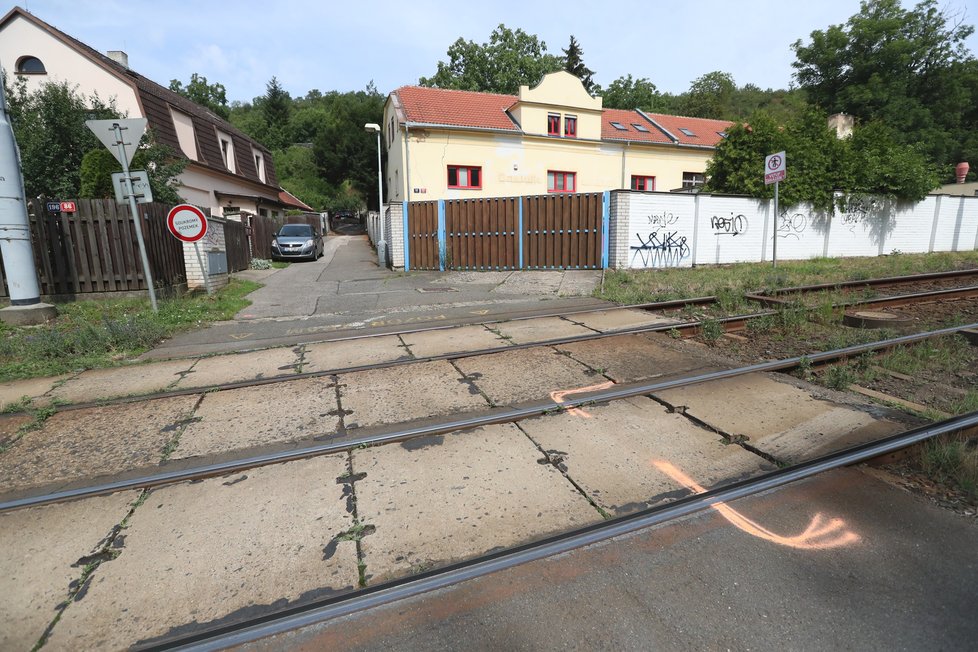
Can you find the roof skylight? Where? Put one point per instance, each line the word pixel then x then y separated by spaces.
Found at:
pixel 619 126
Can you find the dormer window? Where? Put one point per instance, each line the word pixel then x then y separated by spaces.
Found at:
pixel 227 150
pixel 570 126
pixel 30 66
pixel 259 164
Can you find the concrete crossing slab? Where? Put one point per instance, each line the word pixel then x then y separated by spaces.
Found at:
pixel 528 375
pixel 218 550
pixel 352 353
pixel 630 358
pixel 779 419
pixel 441 499
pixel 235 367
pixel 92 442
pixel 405 393
pixel 541 329
pixel 134 380
pixel 610 451
pixel 613 320
pixel 32 388
pixel 238 419
pixel 44 549
pixel 453 340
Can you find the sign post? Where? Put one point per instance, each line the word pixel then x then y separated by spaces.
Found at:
pixel 110 133
pixel 189 224
pixel 775 170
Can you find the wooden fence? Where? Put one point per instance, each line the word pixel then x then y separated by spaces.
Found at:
pixel 236 246
pixel 264 227
pixel 95 249
pixel 537 232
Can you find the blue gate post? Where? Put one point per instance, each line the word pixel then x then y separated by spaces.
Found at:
pixel 442 240
pixel 407 239
pixel 605 227
pixel 519 230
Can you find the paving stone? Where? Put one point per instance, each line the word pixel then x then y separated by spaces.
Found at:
pixel 134 380
pixel 237 367
pixel 613 320
pixel 352 353
pixel 609 451
pixel 441 499
pixel 527 375
pixel 220 549
pixel 243 418
pixel 452 340
pixel 778 418
pixel 42 547
pixel 87 443
pixel 540 329
pixel 537 282
pixel 15 390
pixel 579 282
pixel 630 358
pixel 405 393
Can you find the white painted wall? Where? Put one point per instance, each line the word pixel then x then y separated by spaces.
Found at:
pixel 680 230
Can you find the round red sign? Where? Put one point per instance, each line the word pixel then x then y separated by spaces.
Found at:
pixel 187 223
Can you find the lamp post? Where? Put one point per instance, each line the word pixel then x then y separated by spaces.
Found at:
pixel 381 244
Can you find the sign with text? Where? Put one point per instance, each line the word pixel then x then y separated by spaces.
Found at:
pixel 68 207
pixel 186 222
pixel 53 206
pixel 140 187
pixel 775 168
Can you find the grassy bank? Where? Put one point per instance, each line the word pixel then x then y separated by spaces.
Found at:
pixel 105 333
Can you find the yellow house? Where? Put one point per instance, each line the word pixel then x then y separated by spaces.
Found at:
pixel 553 138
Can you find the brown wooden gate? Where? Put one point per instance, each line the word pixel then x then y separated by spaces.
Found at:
pixel 538 232
pixel 236 245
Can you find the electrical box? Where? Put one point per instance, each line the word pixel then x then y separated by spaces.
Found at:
pixel 217 262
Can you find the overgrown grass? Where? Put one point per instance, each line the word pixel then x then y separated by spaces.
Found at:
pixel 641 286
pixel 92 334
pixel 951 461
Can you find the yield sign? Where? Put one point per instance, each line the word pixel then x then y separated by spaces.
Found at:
pixel 132 131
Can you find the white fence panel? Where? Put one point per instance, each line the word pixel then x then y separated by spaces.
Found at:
pixel 801 233
pixel 909 230
pixel 660 230
pixel 732 230
pixel 957 227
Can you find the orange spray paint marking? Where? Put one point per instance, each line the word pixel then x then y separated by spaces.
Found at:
pixel 820 534
pixel 557 396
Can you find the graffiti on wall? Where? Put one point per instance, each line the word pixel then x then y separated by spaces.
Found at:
pixel 792 226
pixel 662 220
pixel 659 249
pixel 733 225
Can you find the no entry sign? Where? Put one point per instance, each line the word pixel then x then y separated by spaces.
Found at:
pixel 186 223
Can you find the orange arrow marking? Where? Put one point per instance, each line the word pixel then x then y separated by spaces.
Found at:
pixel 557 396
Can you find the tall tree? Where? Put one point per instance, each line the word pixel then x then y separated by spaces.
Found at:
pixel 276 108
pixel 210 96
pixel 510 59
pixel 709 96
pixel 909 69
pixel 628 93
pixel 574 64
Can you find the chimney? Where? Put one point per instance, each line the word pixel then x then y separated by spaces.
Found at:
pixel 119 57
pixel 842 124
pixel 961 171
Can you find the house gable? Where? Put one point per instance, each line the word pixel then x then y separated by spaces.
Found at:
pixel 558 94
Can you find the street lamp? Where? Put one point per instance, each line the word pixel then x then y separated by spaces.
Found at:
pixel 381 245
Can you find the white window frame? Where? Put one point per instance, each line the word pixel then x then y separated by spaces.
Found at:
pixel 228 154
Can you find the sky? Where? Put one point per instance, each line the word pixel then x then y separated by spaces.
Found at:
pixel 343 46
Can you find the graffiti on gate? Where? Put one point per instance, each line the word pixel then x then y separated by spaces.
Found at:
pixel 792 226
pixel 660 249
pixel 662 220
pixel 733 225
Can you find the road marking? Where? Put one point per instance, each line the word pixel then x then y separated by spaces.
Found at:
pixel 557 396
pixel 480 312
pixel 819 535
pixel 240 336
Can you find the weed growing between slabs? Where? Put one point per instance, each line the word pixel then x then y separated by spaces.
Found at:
pixel 106 333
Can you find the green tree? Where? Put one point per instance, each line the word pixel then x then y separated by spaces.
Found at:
pixel 210 96
pixel 909 69
pixel 574 64
pixel 276 110
pixel 162 168
pixel 628 93
pixel 510 59
pixel 709 96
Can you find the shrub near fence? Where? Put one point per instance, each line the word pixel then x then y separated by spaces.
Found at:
pixel 95 249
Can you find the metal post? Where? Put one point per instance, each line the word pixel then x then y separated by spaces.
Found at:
pixel 127 186
pixel 774 249
pixel 204 272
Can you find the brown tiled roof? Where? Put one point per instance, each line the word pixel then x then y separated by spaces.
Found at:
pixel 458 108
pixel 628 119
pixel 289 199
pixel 706 132
pixel 157 99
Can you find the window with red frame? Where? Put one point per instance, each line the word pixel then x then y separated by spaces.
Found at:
pixel 640 182
pixel 561 181
pixel 570 126
pixel 465 176
pixel 553 124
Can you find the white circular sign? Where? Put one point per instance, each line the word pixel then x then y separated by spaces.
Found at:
pixel 187 223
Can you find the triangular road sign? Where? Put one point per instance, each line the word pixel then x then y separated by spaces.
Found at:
pixel 132 131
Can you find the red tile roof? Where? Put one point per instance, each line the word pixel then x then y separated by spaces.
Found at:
pixel 458 108
pixel 289 199
pixel 706 132
pixel 627 119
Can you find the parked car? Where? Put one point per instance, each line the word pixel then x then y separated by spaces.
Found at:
pixel 297 241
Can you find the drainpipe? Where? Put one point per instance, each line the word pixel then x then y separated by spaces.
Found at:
pixel 407 161
pixel 623 149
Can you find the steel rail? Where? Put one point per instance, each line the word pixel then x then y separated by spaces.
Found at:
pixel 930 296
pixel 330 608
pixel 503 415
pixel 875 282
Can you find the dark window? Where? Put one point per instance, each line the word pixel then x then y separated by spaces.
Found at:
pixel 722 134
pixel 639 127
pixel 553 124
pixel 686 131
pixel 464 176
pixel 30 66
pixel 570 126
pixel 619 126
pixel 640 182
pixel 561 181
pixel 693 179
